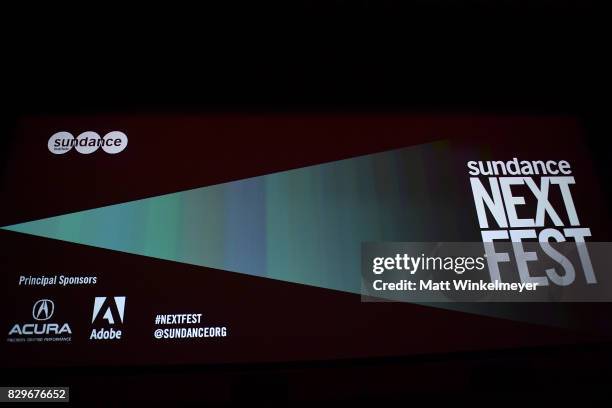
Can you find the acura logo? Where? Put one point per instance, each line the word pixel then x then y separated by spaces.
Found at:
pixel 43 309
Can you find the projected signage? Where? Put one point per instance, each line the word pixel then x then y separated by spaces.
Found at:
pixel 267 238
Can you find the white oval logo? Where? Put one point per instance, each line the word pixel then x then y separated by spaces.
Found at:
pixel 88 142
pixel 114 142
pixel 60 143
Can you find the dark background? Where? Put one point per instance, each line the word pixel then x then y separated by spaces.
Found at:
pixel 429 56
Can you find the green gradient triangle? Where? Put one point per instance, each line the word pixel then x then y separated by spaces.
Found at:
pixel 303 226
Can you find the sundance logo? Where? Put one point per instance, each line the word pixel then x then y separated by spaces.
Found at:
pixel 87 142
